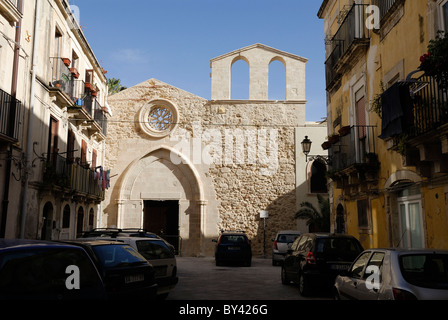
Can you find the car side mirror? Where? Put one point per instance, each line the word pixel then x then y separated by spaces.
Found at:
pixel 214 240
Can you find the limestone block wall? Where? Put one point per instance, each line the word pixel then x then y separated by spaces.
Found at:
pixel 260 173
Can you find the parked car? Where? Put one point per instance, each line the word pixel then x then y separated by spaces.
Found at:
pixel 161 257
pixel 233 247
pixel 315 259
pixel 43 270
pixel 125 272
pixel 282 242
pixel 395 274
pixel 127 232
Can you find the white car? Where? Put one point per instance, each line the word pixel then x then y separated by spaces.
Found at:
pixel 161 257
pixel 282 243
pixel 395 274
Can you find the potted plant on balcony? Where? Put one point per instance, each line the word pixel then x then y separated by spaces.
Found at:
pixel 435 62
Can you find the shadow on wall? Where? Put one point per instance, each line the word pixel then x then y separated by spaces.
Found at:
pixel 282 212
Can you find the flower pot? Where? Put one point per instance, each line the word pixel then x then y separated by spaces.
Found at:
pixel 66 61
pixel 334 139
pixel 344 131
pixel 89 86
pixel 74 72
pixel 326 145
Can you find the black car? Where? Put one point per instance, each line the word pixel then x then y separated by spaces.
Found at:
pixel 44 270
pixel 233 247
pixel 315 259
pixel 125 272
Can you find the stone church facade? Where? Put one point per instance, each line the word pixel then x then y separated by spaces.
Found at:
pixel 187 167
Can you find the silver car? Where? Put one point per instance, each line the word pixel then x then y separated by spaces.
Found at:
pixel 282 243
pixel 395 274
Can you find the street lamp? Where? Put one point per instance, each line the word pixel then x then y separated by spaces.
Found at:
pixel 306 147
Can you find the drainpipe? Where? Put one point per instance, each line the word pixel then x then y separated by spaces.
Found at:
pixel 29 142
pixel 15 72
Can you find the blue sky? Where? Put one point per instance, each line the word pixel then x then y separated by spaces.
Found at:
pixel 174 41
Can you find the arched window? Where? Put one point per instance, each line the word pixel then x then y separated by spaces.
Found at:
pixel 240 80
pixel 318 182
pixel 277 80
pixel 80 222
pixel 91 218
pixel 66 217
pixel 47 227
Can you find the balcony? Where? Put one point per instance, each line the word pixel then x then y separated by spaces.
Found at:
pixel 11 118
pixel 386 7
pixel 73 179
pixel 78 96
pixel 351 36
pixel 415 124
pixel 354 158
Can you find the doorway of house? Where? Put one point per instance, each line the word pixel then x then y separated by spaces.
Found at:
pixel 162 218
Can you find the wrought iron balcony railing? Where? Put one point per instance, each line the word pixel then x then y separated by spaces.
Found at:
pixel 414 108
pixel 78 92
pixel 352 31
pixel 357 148
pixel 11 117
pixel 75 178
pixel 385 6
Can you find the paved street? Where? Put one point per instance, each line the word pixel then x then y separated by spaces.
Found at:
pixel 201 279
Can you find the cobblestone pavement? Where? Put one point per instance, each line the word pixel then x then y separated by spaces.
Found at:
pixel 201 279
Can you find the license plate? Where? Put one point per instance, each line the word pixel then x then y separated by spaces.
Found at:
pixel 134 278
pixel 339 267
pixel 234 248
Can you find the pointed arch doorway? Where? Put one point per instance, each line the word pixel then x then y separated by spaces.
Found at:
pixel 155 181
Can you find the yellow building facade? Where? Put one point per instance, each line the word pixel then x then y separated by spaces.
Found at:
pixel 387 123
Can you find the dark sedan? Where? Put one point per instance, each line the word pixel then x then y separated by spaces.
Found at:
pixel 125 272
pixel 315 259
pixel 43 270
pixel 233 247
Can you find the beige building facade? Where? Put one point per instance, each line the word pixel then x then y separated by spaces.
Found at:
pixel 53 155
pixel 186 167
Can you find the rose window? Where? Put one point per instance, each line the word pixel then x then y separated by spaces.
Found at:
pixel 158 118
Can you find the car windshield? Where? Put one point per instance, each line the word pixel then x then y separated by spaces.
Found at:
pixel 232 239
pixel 153 250
pixel 287 238
pixel 117 255
pixel 425 270
pixel 341 247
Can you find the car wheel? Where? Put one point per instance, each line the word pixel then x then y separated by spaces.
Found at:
pixel 304 286
pixel 284 276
